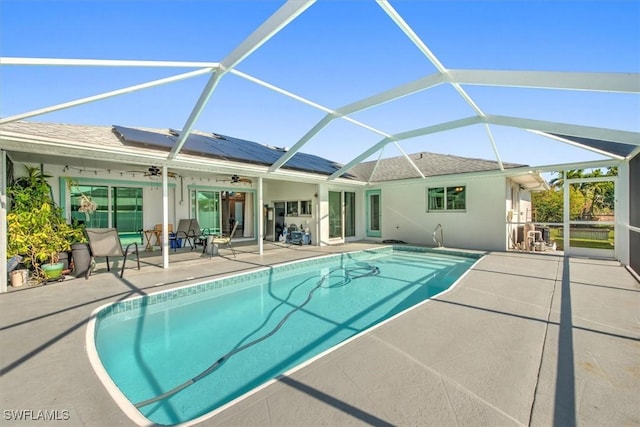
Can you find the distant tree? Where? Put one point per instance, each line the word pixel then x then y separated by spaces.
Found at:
pixel 588 199
pixel 548 205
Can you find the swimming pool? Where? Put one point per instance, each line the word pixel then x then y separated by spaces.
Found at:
pixel 181 354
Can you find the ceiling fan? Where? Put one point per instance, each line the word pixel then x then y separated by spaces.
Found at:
pixel 234 179
pixel 155 171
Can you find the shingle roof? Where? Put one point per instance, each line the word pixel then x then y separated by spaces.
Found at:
pixel 430 164
pixel 390 169
pixel 99 135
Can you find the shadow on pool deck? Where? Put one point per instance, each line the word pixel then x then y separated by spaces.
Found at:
pixel 523 339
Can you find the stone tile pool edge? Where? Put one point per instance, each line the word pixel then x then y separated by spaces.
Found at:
pixel 131 304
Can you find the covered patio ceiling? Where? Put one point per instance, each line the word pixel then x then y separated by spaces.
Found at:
pixel 614 144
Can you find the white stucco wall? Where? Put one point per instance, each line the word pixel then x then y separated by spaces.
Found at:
pixel 284 191
pixel 481 226
pixel 151 193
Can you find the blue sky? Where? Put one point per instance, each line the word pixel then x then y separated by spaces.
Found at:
pixel 335 53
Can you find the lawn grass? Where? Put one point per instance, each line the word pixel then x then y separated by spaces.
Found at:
pixel 582 243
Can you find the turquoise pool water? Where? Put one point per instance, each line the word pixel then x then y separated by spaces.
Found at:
pixel 235 334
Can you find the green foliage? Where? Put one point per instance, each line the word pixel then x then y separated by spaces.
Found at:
pixel 36 228
pixel 548 205
pixel 587 199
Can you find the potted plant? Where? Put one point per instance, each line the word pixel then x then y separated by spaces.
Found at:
pixel 39 235
pixel 36 229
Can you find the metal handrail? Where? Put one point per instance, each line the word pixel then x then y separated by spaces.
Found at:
pixel 439 243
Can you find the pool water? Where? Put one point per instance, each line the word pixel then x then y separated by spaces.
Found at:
pixel 276 319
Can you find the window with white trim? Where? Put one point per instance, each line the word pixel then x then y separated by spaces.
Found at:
pixel 447 198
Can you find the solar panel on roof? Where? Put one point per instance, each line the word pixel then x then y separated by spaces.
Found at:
pixel 617 148
pixel 227 148
pixel 143 137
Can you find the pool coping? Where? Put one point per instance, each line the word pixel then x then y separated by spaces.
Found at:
pixel 403 373
pixel 129 409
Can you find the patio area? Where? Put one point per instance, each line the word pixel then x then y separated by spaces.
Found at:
pixel 523 339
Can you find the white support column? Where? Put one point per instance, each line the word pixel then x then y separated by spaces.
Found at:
pixel 322 215
pixel 260 217
pixel 3 221
pixel 165 218
pixel 622 195
pixel 566 203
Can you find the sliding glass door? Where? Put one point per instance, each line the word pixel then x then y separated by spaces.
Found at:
pixel 206 209
pixel 342 214
pixel 218 211
pixel 374 213
pixel 335 214
pixel 118 207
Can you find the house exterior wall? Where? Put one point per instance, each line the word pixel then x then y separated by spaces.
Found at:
pixel 480 226
pixel 284 191
pixel 151 190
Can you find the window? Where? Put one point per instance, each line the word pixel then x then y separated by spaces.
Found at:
pixel 305 207
pixel 447 198
pixel 292 208
pixel 119 207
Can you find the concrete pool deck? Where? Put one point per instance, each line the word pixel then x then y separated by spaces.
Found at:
pixel 523 339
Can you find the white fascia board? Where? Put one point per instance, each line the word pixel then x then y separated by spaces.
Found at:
pixel 563 166
pixel 105 95
pixel 633 153
pixel 613 135
pixel 105 63
pixel 76 150
pixel 459 177
pixel 185 162
pixel 599 82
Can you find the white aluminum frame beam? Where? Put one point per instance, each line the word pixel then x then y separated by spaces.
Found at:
pixel 406 89
pixel 363 104
pixel 603 134
pixel 7 60
pixel 105 95
pixel 417 41
pixel 269 28
pixel 440 127
pixel 598 82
